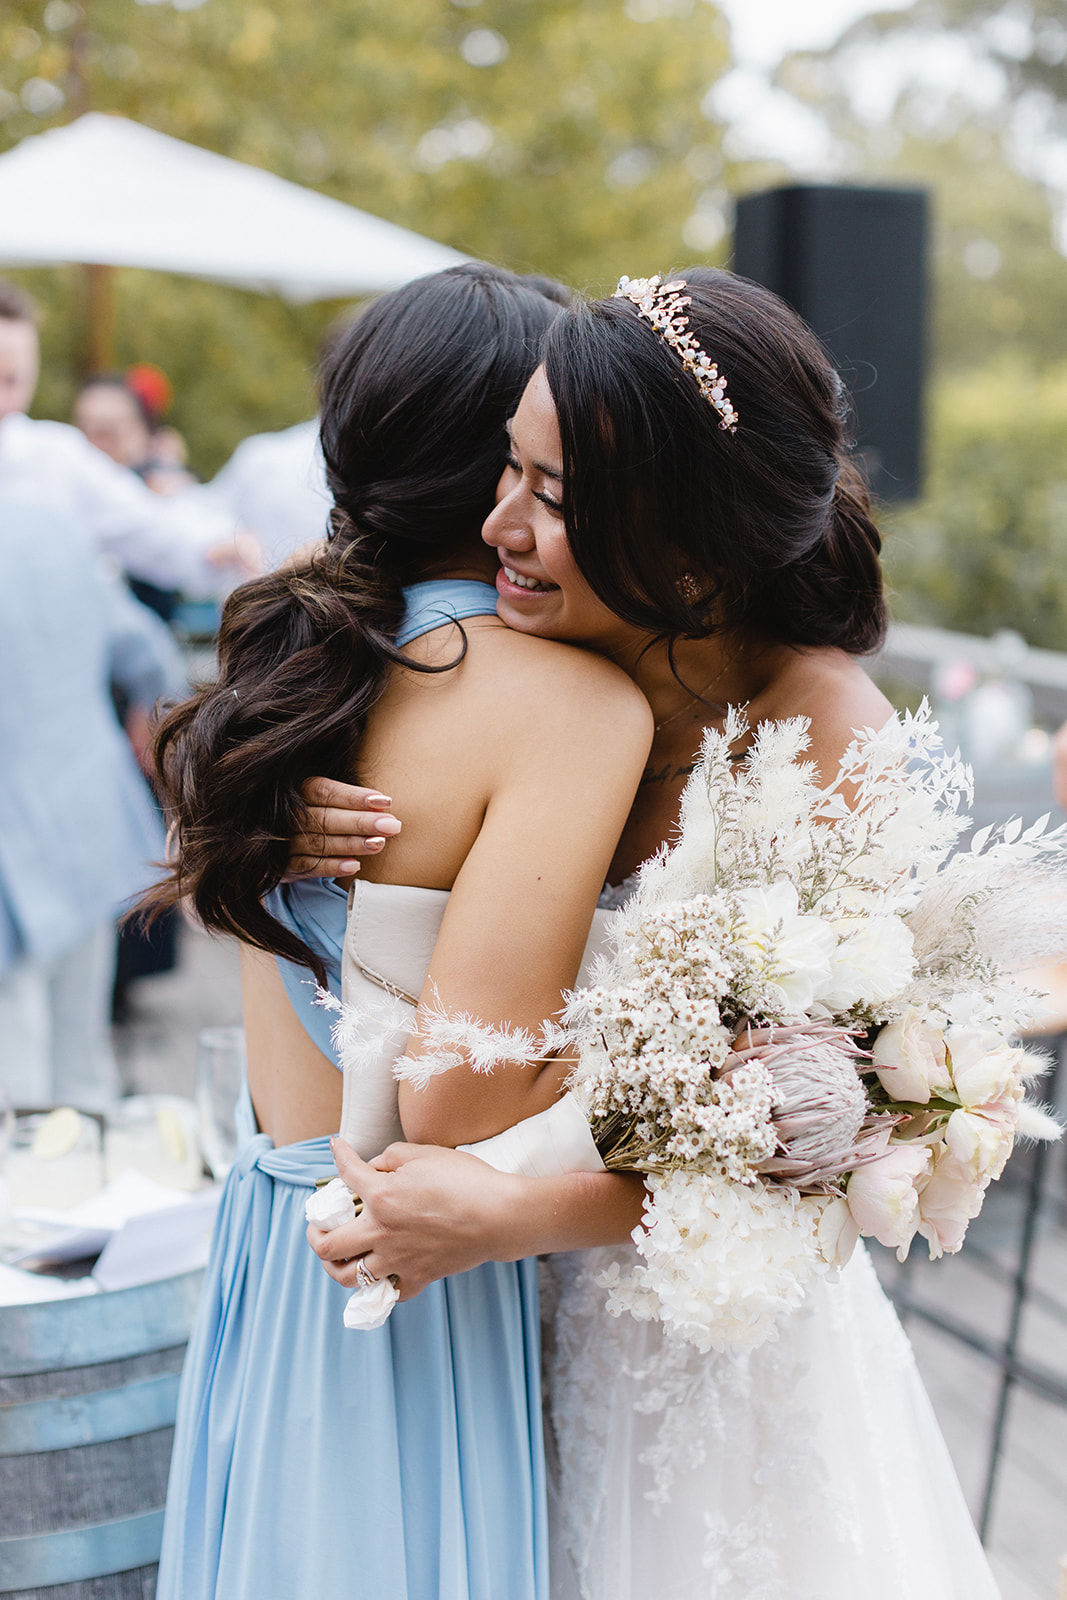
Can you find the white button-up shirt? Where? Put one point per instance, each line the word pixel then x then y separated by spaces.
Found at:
pixel 275 484
pixel 162 539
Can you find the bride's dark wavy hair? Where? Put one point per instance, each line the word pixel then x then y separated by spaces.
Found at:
pixel 683 528
pixel 415 394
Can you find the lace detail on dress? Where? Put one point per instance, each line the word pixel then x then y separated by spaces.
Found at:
pixel 807 1469
pixel 810 1469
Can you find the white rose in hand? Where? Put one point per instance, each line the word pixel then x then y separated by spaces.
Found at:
pixel 909 1058
pixel 331 1206
pixel 369 1308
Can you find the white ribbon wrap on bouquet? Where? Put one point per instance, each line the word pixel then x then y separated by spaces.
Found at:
pixel 553 1142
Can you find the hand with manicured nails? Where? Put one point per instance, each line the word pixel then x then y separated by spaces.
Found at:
pixel 343 823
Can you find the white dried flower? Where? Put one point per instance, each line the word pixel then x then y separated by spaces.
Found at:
pixel 371 1307
pixel 331 1206
pixel 721 1263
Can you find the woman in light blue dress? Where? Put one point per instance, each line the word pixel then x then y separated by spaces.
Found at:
pixel 404 1463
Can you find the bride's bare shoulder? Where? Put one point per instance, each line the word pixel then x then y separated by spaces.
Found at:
pixel 836 694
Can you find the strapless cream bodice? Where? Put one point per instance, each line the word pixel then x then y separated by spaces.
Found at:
pixel 389 941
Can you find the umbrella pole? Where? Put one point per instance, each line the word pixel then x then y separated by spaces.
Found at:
pixel 98 354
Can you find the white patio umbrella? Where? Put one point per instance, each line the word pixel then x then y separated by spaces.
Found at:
pixel 109 192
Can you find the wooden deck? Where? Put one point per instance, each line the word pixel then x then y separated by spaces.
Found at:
pixel 1029 1529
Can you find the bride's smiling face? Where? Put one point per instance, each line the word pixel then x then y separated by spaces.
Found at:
pixel 541 590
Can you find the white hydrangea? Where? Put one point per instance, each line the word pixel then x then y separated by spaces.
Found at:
pixel 722 1263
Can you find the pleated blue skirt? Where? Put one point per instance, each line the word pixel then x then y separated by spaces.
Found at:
pixel 315 1463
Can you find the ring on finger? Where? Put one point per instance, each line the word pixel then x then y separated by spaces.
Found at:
pixel 365 1279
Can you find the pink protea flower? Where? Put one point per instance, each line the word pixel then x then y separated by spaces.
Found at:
pixel 821 1112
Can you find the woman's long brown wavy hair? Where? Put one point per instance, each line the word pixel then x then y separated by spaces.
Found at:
pixel 414 399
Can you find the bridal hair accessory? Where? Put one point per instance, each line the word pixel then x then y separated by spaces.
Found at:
pixel 663 306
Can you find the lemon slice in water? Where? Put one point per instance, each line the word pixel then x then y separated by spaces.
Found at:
pixel 171 1134
pixel 57 1135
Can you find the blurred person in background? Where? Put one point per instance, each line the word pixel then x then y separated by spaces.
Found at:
pixel 78 826
pixel 120 414
pixel 276 483
pixel 183 541
pixel 116 413
pixel 115 420
pixel 1059 766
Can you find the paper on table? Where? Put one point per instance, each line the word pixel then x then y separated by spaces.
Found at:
pixel 55 1237
pixel 159 1244
pixel 131 1194
pixel 47 1241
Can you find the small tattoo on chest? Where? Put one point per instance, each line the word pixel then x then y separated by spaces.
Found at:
pixel 666 774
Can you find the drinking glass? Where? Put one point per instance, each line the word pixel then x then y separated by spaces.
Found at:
pixel 157 1135
pixel 54 1172
pixel 7 1134
pixel 220 1076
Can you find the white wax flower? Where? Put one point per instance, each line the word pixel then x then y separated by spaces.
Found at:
pixel 369 1308
pixel 331 1206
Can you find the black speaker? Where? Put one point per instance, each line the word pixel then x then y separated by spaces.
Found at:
pixel 852 262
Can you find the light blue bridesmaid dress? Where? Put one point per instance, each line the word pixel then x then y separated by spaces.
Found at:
pixel 314 1463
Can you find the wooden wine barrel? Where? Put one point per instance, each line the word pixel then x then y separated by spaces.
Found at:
pixel 88 1390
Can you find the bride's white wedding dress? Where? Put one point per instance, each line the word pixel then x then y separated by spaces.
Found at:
pixel 811 1469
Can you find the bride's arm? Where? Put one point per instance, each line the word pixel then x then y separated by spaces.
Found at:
pixel 429 1212
pixel 519 912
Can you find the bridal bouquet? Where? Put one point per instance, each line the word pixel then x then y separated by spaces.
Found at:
pixel 803 1031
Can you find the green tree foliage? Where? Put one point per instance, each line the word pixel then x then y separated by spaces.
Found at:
pixel 987 547
pixel 1025 39
pixel 560 136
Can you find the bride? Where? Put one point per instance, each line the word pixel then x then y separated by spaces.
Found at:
pixel 709 535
